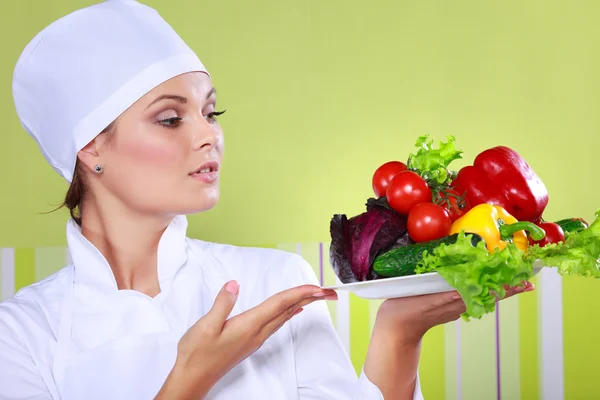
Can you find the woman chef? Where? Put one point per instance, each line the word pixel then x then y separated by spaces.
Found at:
pixel 126 113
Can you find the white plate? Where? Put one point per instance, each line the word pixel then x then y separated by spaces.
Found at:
pixel 402 286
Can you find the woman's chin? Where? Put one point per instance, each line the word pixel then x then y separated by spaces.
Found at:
pixel 206 204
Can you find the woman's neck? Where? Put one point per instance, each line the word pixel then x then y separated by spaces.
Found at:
pixel 128 241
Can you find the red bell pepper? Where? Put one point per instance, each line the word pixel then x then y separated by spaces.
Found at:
pixel 500 176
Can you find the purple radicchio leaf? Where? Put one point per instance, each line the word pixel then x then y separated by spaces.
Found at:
pixel 357 241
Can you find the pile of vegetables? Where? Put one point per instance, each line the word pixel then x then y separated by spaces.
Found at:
pixel 481 227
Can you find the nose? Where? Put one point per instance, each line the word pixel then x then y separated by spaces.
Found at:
pixel 206 135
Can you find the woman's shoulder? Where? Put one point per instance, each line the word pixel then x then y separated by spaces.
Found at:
pixel 258 262
pixel 35 307
pixel 28 331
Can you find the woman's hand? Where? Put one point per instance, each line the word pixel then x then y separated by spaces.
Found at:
pixel 215 344
pixel 411 317
pixel 393 356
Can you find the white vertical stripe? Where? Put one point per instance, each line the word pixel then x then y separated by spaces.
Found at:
pixel 8 273
pixel 451 359
pixel 458 361
pixel 510 354
pixel 551 333
pixel 343 317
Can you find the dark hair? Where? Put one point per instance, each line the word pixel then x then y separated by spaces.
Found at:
pixel 77 189
pixel 75 194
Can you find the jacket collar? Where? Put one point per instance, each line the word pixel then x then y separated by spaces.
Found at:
pixel 92 269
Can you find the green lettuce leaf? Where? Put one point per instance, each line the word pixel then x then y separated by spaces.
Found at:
pixel 432 163
pixel 479 276
pixel 578 255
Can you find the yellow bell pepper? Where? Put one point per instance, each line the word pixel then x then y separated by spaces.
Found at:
pixel 497 227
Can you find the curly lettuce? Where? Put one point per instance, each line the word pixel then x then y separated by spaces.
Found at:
pixel 432 163
pixel 578 255
pixel 479 276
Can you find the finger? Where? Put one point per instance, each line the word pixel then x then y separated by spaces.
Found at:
pixel 511 291
pixel 276 323
pixel 450 312
pixel 283 301
pixel 527 287
pixel 223 305
pixel 276 328
pixel 441 299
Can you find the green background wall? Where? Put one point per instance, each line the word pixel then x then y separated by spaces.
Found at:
pixel 320 93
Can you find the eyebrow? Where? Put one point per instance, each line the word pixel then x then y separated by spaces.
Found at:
pixel 179 99
pixel 211 92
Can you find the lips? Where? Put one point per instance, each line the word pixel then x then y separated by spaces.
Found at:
pixel 207 172
pixel 211 166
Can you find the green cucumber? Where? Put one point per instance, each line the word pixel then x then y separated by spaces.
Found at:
pixel 403 261
pixel 571 225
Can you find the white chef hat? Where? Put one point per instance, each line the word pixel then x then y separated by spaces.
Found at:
pixel 85 69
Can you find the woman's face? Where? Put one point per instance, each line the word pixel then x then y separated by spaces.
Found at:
pixel 164 154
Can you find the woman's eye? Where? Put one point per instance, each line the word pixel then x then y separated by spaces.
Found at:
pixel 212 117
pixel 170 122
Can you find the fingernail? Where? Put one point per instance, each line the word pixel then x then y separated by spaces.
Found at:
pixel 298 311
pixel 319 294
pixel 530 287
pixel 331 297
pixel 232 287
pixel 456 296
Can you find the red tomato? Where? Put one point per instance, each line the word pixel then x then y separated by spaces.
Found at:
pixel 406 190
pixel 554 234
pixel 449 199
pixel 384 174
pixel 538 221
pixel 428 221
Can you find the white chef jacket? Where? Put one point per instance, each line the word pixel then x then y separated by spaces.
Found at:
pixel 75 336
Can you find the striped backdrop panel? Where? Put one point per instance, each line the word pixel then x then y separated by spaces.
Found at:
pixel 539 345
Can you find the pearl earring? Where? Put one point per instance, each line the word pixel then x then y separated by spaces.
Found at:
pixel 98 169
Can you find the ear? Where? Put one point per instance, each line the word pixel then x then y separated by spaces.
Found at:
pixel 89 156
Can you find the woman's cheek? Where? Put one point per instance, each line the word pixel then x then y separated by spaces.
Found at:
pixel 154 154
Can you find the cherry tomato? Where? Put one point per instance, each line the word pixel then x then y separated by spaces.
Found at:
pixel 554 234
pixel 406 190
pixel 384 174
pixel 538 221
pixel 428 221
pixel 452 202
